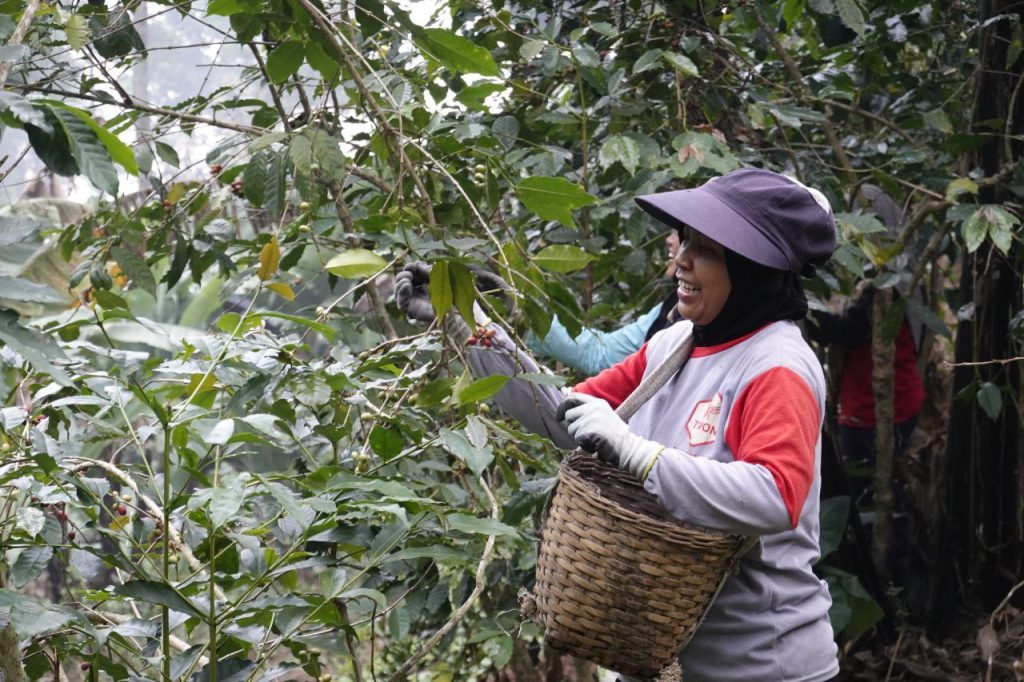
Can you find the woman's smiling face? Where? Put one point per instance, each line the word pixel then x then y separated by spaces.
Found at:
pixel 703 278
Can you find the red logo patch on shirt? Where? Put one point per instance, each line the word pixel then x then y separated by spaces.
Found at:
pixel 702 426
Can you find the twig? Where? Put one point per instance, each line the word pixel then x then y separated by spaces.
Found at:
pixel 461 612
pixel 273 90
pixel 1003 361
pixel 135 106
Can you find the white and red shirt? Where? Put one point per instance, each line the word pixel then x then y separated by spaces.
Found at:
pixel 741 426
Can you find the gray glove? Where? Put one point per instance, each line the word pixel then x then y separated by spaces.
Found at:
pixel 596 428
pixel 413 295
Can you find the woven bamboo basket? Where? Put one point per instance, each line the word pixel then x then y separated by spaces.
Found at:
pixel 619 582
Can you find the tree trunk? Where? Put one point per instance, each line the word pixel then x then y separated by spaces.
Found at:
pixel 980 549
pixel 10 657
pixel 883 346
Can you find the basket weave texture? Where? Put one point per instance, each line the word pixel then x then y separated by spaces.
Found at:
pixel 619 582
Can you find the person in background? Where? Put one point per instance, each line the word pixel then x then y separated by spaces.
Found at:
pixel 732 442
pixel 851 332
pixel 594 350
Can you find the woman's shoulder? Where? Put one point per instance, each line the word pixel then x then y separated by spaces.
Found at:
pixel 668 339
pixel 782 345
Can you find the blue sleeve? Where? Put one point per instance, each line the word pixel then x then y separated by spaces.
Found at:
pixel 592 351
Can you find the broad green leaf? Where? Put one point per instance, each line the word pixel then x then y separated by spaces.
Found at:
pixel 370 15
pixel 960 186
pixel 18 289
pixel 482 389
pixel 648 60
pixel 23 111
pixel 50 143
pixel 158 594
pixel 681 63
pixel 990 398
pixel 792 10
pixel 121 153
pixel 859 223
pixel 282 290
pixel 135 269
pixel 473 96
pixel 563 258
pixel 852 15
pixel 284 60
pixel 463 290
pixel 289 502
pixel 270 256
pixel 833 514
pixel 221 432
pixel 77 31
pixel 476 458
pixel 356 263
pixel 30 519
pixel 29 564
pixel 974 230
pixel 442 298
pixel 386 442
pixel 114 34
pixel 32 617
pixel 168 154
pixel 531 48
pixel 586 56
pixel 620 149
pixel 545 379
pixel 300 151
pixel 455 52
pixel 327 331
pixel 37 349
pixel 473 524
pixel 228 8
pixel 91 156
pixel 553 198
pixel 322 60
pixel 227 499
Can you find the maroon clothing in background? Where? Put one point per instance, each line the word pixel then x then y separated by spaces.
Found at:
pixel 856 398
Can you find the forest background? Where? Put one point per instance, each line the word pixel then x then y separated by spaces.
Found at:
pixel 226 455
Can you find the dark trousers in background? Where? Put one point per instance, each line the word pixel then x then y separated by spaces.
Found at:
pixel 858 449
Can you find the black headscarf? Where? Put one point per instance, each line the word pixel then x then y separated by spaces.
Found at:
pixel 759 295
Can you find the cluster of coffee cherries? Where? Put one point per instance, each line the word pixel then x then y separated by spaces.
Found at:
pixel 482 336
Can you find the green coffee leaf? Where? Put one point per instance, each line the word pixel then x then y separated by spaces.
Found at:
pixel 355 263
pixel 563 258
pixel 455 52
pixel 553 198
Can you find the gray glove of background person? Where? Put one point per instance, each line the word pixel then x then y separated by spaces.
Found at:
pixel 412 292
pixel 596 428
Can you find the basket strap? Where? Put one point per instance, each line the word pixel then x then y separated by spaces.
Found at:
pixel 656 379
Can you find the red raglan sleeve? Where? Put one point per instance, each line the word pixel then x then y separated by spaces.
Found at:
pixel 775 423
pixel 614 384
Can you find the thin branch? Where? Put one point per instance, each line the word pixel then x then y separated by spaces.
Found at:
pixel 136 106
pixel 1003 361
pixel 273 90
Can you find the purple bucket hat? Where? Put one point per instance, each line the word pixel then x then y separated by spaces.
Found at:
pixel 764 216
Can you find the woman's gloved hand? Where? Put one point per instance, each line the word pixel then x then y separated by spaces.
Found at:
pixel 596 428
pixel 412 293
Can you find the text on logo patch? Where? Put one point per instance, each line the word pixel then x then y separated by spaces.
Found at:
pixel 702 426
